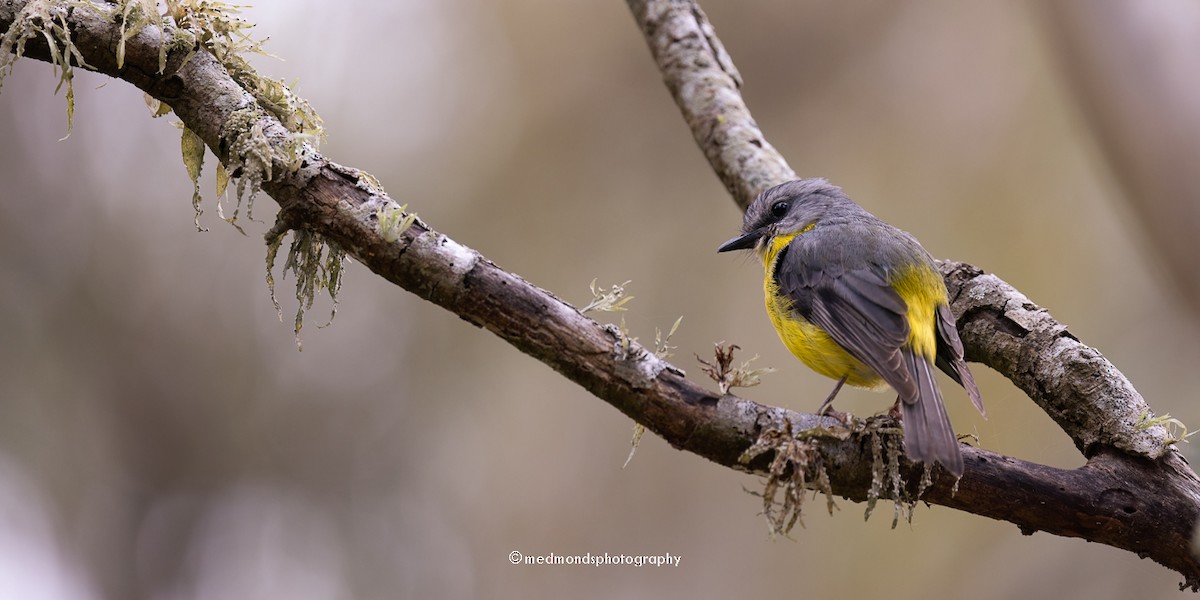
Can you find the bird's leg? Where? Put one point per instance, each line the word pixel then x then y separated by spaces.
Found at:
pixel 826 406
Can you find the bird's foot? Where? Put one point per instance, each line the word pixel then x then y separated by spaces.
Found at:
pixel 827 410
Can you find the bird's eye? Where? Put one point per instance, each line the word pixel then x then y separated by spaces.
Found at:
pixel 780 209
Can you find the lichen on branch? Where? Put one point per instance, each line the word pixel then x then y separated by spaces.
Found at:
pixel 317 265
pixel 47 20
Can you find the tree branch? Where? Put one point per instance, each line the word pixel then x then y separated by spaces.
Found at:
pixel 1136 492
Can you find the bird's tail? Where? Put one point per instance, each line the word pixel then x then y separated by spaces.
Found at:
pixel 928 435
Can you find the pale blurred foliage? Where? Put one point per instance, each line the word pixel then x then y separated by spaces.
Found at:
pixel 161 437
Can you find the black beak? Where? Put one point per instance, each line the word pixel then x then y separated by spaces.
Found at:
pixel 741 242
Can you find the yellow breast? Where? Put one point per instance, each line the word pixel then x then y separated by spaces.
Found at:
pixel 812 345
pixel 805 340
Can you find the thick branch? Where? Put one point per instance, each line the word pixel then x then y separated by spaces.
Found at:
pixel 1085 394
pixel 1145 504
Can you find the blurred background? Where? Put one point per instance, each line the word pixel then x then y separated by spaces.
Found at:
pixel 161 436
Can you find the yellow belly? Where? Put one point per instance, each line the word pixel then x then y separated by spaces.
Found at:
pixel 816 349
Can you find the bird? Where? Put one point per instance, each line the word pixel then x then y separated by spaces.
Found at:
pixel 862 302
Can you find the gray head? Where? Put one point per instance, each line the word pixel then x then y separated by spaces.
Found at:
pixel 789 208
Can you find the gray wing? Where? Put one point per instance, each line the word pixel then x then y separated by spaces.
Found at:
pixel 855 307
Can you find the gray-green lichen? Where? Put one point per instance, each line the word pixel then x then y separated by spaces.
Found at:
pixel 607 300
pixel 48 20
pixel 393 220
pixel 317 265
pixel 132 16
pixel 251 156
pixel 254 158
pixel 796 467
pixel 193 159
pixel 219 29
pixel 886 448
